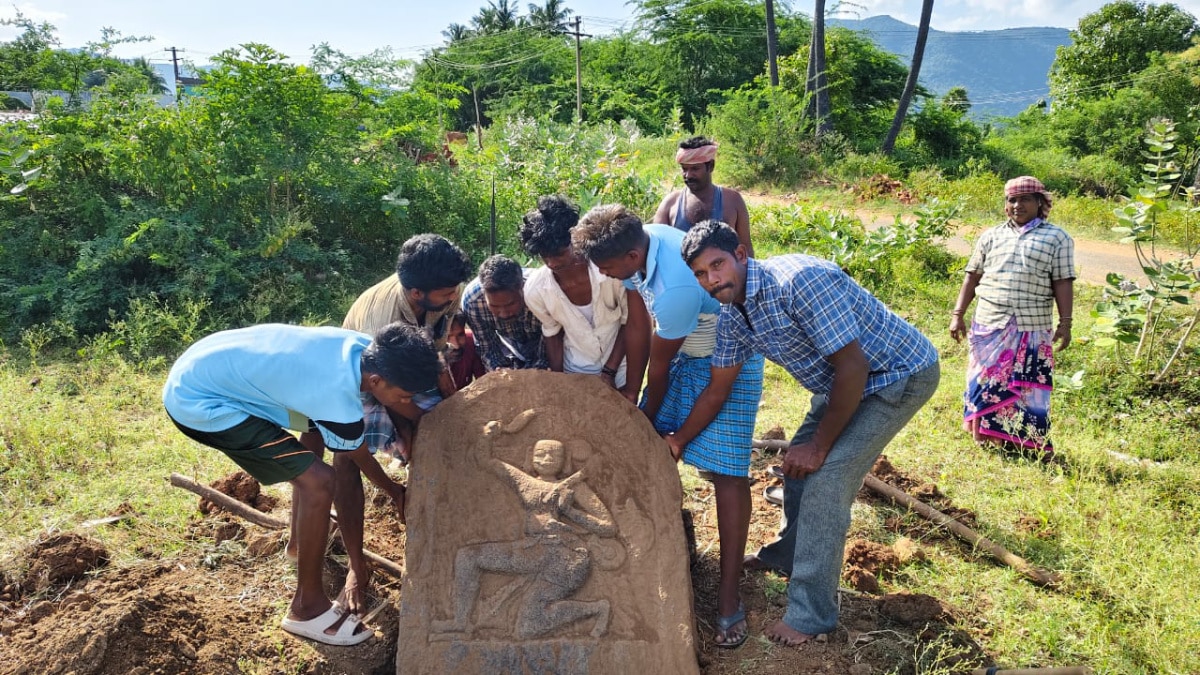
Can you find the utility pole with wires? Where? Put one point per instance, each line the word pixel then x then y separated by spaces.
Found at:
pixel 578 22
pixel 175 63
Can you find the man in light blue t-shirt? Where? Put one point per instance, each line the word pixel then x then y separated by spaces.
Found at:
pixel 680 378
pixel 238 390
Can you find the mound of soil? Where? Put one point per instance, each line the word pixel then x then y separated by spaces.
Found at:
pixel 242 487
pixel 61 559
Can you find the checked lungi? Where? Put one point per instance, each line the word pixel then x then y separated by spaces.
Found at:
pixel 724 445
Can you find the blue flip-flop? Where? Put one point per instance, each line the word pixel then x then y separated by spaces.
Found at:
pixel 726 623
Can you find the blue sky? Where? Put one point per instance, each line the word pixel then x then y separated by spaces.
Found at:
pixel 411 26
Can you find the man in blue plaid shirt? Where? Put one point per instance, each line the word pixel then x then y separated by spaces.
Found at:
pixel 869 372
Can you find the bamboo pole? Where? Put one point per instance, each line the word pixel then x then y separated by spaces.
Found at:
pixel 261 519
pixel 971 536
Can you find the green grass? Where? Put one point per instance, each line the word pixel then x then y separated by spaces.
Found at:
pixel 89 437
pixel 1123 536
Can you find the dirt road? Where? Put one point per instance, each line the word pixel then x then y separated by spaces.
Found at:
pixel 1093 259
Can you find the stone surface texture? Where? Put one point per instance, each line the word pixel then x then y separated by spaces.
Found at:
pixel 544 535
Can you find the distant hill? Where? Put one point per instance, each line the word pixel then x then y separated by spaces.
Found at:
pixel 1004 71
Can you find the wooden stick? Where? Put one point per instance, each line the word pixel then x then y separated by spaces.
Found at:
pixel 243 511
pixel 261 519
pixel 1067 670
pixel 899 496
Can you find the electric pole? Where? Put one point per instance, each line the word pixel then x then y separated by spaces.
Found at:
pixel 578 68
pixel 175 63
pixel 772 46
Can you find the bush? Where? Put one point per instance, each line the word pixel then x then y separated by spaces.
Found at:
pixel 854 167
pixel 765 136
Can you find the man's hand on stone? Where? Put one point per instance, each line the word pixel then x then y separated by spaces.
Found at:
pixel 675 445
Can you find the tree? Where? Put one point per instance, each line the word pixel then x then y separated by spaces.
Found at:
pixel 956 99
pixel 497 17
pixel 456 32
pixel 863 83
pixel 549 17
pixel 1114 43
pixel 914 71
pixel 816 86
pixel 713 46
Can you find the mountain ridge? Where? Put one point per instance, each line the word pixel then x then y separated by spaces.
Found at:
pixel 1004 70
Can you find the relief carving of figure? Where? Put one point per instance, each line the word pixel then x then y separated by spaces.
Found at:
pixel 552 559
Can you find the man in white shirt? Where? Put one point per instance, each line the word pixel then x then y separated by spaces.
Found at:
pixel 591 323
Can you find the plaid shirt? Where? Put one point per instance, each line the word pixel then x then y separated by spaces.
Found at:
pixel 799 310
pixel 1018 266
pixel 522 333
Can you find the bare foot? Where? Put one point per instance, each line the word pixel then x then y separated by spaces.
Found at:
pixel 783 634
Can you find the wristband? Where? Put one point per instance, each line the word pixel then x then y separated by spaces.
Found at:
pixel 958 312
pixel 611 372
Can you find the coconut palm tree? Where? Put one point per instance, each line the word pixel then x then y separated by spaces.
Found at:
pixel 910 85
pixel 550 17
pixel 455 32
pixel 497 17
pixel 817 86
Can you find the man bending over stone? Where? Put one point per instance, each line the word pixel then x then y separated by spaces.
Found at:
pixel 869 372
pixel 507 334
pixel 648 259
pixel 237 390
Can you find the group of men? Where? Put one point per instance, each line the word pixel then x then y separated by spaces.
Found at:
pixel 676 315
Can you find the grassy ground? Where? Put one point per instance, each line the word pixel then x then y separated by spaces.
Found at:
pixel 80 439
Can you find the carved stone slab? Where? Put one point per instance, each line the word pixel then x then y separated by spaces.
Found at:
pixel 544 535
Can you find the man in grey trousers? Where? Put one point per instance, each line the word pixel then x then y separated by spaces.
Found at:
pixel 869 371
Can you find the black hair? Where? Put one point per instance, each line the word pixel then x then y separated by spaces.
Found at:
pixel 404 357
pixel 429 261
pixel 546 230
pixel 607 231
pixel 695 142
pixel 501 273
pixel 708 234
pixel 459 318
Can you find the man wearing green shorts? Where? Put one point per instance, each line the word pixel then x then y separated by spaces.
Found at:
pixel 238 390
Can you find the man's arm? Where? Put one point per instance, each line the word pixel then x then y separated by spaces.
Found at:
pixel 1064 297
pixel 554 351
pixel 708 405
pixel 966 294
pixel 850 371
pixel 740 220
pixel 348 498
pixel 658 375
pixel 637 345
pixel 663 214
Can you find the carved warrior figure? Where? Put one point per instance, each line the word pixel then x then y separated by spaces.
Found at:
pixel 552 556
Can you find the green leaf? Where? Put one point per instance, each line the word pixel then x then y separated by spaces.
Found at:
pixel 1104 342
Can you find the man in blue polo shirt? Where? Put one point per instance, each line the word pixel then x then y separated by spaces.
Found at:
pixel 647 258
pixel 869 372
pixel 238 390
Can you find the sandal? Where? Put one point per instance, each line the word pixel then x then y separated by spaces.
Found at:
pixel 725 626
